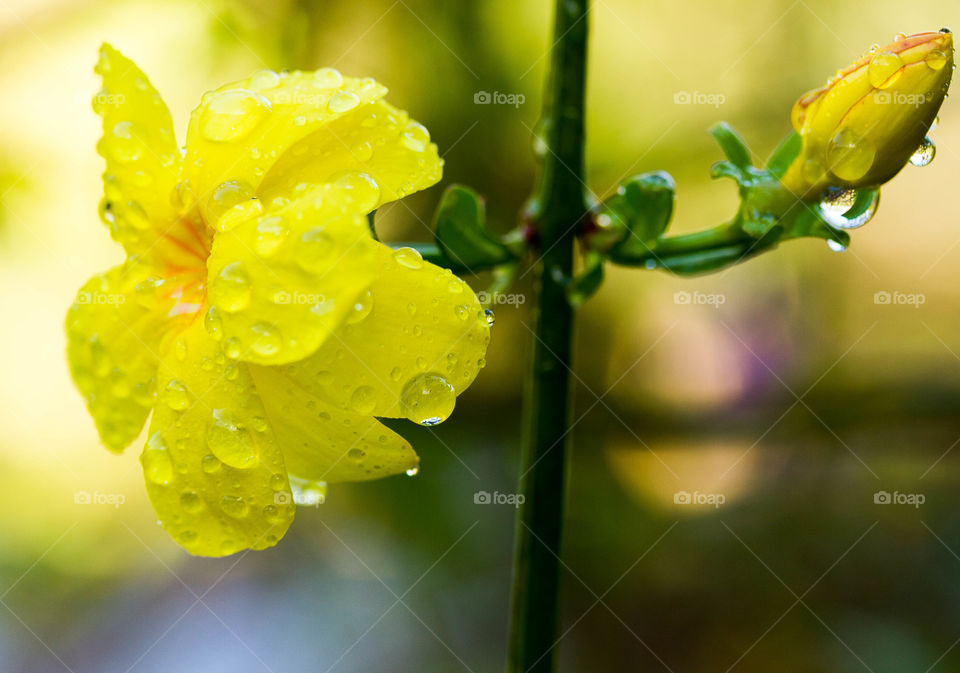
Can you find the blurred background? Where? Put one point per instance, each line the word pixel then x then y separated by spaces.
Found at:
pixel 784 387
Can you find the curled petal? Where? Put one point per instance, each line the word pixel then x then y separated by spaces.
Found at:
pixel 415 343
pixel 114 327
pixel 862 128
pixel 214 472
pixel 283 280
pixel 323 443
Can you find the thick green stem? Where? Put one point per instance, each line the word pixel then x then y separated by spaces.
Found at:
pixel 556 211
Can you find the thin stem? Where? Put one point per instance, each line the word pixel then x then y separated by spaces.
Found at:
pixel 555 211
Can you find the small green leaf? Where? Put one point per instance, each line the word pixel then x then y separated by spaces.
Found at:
pixel 732 145
pixel 588 282
pixel 726 169
pixel 460 231
pixel 643 205
pixel 783 156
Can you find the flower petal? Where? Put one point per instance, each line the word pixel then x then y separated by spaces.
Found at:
pixel 322 443
pixel 378 141
pixel 143 165
pixel 281 281
pixel 420 343
pixel 240 130
pixel 114 327
pixel 214 472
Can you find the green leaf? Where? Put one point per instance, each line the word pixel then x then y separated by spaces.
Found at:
pixel 461 233
pixel 783 156
pixel 726 169
pixel 732 145
pixel 587 283
pixel 643 205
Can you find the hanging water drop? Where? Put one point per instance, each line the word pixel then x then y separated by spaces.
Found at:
pixel 836 246
pixel 230 442
pixel 428 399
pixel 838 203
pixel 229 116
pixel 489 316
pixel 925 153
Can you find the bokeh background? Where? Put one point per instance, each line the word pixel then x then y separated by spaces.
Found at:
pixel 782 385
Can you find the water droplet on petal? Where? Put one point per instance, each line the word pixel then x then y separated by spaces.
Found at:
pixel 175 395
pixel 924 154
pixel 884 69
pixel 229 116
pixel 416 137
pixel 230 442
pixel 266 339
pixel 232 288
pixel 413 471
pixel 233 202
pixel 343 101
pixel 363 400
pixel 408 257
pixel 362 189
pixel 361 308
pixel 327 78
pixel 850 155
pixel 428 399
pixel 271 232
pixel 314 250
pixel 157 466
pixel 264 79
pixel 489 316
pixel 210 463
pixel 936 60
pixel 838 202
pixel 191 502
pixel 234 506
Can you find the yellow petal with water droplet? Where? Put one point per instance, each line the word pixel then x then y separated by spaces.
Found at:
pixel 114 327
pixel 886 100
pixel 282 281
pixel 214 472
pixel 446 335
pixel 377 140
pixel 239 131
pixel 323 443
pixel 143 163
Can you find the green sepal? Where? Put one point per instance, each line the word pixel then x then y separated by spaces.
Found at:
pixel 461 233
pixel 732 145
pixel 642 207
pixel 788 150
pixel 589 281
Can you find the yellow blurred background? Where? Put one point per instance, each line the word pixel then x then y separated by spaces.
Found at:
pixel 792 392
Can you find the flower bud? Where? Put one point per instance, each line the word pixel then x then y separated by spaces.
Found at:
pixel 862 127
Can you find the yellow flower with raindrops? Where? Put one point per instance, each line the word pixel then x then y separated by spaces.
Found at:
pixel 255 316
pixel 872 117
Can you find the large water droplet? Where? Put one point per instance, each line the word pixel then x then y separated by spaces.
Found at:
pixel 836 246
pixel 157 466
pixel 363 400
pixel 234 506
pixel 362 189
pixel 343 101
pixel 849 209
pixel 231 288
pixel 230 442
pixel 489 316
pixel 416 137
pixel 314 250
pixel 884 69
pixel 936 60
pixel 408 257
pixel 361 308
pixel 428 399
pixel 213 323
pixel 413 471
pixel 191 502
pixel 327 78
pixel 924 154
pixel 266 339
pixel 229 116
pixel 175 395
pixel 850 155
pixel 271 232
pixel 264 79
pixel 233 202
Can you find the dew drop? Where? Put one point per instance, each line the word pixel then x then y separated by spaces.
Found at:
pixel 489 316
pixel 408 257
pixel 925 153
pixel 264 79
pixel 191 502
pixel 233 348
pixel 836 246
pixel 175 395
pixel 428 399
pixel 850 155
pixel 233 202
pixel 416 137
pixel 213 323
pixel 413 471
pixel 327 78
pixel 361 308
pixel 314 250
pixel 343 101
pixel 229 116
pixel 363 400
pixel 461 311
pixel 884 69
pixel 838 202
pixel 267 339
pixel 272 514
pixel 230 442
pixel 362 189
pixel 234 506
pixel 231 288
pixel 936 60
pixel 157 466
pixel 210 463
pixel 271 233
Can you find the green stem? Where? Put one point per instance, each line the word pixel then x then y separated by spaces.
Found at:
pixel 556 210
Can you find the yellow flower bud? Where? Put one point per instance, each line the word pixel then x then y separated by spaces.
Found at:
pixel 862 127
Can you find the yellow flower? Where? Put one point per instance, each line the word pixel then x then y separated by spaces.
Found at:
pixel 863 127
pixel 255 315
